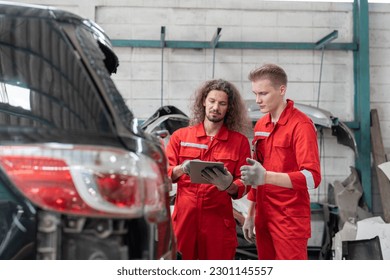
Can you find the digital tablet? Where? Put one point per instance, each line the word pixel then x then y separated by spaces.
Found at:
pixel 196 167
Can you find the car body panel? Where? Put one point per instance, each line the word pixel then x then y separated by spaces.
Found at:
pixel 320 117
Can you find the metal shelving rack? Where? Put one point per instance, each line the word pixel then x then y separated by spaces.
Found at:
pixel 360 48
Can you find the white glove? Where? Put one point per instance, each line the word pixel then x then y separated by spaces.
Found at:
pixel 222 180
pixel 185 166
pixel 253 174
pixel 248 229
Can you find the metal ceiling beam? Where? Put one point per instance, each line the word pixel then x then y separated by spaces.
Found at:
pixel 230 45
pixel 326 40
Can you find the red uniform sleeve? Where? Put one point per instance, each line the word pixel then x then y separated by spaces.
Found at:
pixel 245 152
pixel 307 156
pixel 172 151
pixel 252 195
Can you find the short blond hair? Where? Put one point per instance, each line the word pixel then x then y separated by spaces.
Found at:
pixel 272 72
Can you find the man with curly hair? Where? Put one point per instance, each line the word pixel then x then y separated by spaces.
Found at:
pixel 203 214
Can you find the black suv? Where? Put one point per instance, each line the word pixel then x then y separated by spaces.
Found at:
pixel 78 178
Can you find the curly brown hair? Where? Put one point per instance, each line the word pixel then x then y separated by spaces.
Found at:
pixel 236 118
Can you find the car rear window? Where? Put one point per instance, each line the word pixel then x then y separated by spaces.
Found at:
pixel 43 83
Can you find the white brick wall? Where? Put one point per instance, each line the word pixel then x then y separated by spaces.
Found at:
pixel 380 66
pixel 139 74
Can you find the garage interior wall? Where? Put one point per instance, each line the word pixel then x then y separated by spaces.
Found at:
pixel 140 80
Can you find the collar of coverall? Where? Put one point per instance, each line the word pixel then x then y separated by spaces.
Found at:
pixel 285 114
pixel 221 135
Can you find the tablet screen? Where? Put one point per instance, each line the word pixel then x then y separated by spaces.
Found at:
pixel 197 166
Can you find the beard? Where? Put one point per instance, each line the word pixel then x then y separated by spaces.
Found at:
pixel 215 117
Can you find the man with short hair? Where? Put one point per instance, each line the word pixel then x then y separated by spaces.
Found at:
pixel 285 166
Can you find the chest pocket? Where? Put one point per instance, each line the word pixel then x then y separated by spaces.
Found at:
pixel 282 142
pixel 189 153
pixel 283 150
pixel 229 160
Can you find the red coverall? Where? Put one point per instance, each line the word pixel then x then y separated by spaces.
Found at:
pixel 282 219
pixel 203 216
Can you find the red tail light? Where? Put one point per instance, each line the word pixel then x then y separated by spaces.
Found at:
pixel 118 189
pixel 45 181
pixel 86 180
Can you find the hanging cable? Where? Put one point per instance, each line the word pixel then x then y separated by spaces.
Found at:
pixel 213 43
pixel 319 81
pixel 320 44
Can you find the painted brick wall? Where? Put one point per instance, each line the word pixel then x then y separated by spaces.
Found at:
pixel 380 66
pixel 143 79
